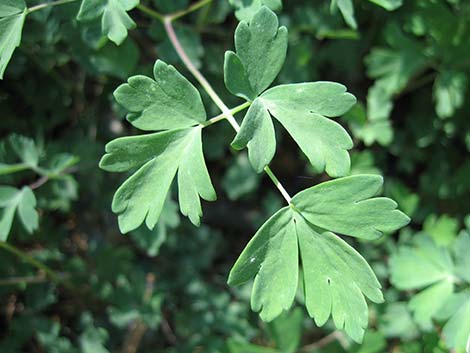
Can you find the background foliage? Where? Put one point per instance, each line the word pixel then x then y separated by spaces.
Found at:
pixel 70 282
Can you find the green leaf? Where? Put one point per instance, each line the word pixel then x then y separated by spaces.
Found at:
pixel 168 102
pixel 434 262
pixel 114 18
pixel 374 342
pixel 257 133
pixel 449 92
pixel 272 258
pixel 388 5
pixel 260 53
pixel 12 16
pixel 347 11
pixel 462 260
pixel 25 149
pixel 397 322
pixel 23 202
pixel 286 330
pixel 151 240
pixel 245 10
pixel 394 67
pixel 335 276
pixel 93 338
pixel 336 279
pixel 442 229
pixel 11 7
pixel 456 330
pixel 348 206
pixel 427 303
pixel 302 109
pixel 426 265
pixel 159 157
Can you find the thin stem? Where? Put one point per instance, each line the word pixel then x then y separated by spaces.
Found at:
pixel 226 113
pixel 278 184
pixel 151 12
pixel 48 4
pixel 194 7
pixel 31 260
pixel 336 335
pixel 40 182
pixel 195 72
pixel 220 117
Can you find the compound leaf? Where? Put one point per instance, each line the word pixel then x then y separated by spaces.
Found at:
pixel 302 109
pixel 347 206
pixel 159 157
pixel 12 16
pixel 169 101
pixel 114 18
pixel 22 201
pixel 260 53
pixel 335 276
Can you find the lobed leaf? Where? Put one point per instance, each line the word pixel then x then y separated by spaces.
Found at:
pixel 302 109
pixel 13 201
pixel 271 257
pixel 158 157
pixel 434 263
pixel 347 206
pixel 12 17
pixel 261 48
pixel 169 101
pixel 439 272
pixel 336 278
pixel 114 18
pixel 346 8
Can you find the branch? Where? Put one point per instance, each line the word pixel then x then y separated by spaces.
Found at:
pixel 214 96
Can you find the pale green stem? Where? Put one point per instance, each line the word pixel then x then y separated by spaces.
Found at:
pixel 48 4
pixel 278 184
pixel 226 113
pixel 220 117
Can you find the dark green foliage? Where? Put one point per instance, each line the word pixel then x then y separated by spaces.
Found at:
pixel 77 285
